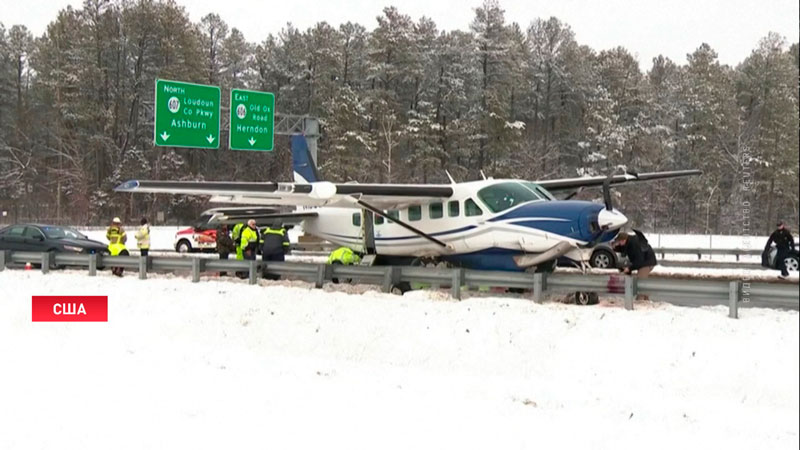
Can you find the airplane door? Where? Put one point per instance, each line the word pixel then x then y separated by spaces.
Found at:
pixel 369 231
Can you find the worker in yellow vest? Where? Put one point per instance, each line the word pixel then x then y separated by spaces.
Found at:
pixel 116 243
pixel 344 256
pixel 249 240
pixel 236 235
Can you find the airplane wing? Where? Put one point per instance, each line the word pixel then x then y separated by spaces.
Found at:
pixel 583 182
pixel 321 193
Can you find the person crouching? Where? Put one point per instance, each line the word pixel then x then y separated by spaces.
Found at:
pixel 640 254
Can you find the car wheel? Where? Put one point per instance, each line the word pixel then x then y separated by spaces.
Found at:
pixel 602 259
pixel 183 246
pixel 792 264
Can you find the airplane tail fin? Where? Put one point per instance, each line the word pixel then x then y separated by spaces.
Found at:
pixel 305 171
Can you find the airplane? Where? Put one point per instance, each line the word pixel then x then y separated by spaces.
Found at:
pixel 489 224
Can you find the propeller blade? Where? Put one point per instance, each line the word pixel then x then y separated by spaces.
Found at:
pixel 607 192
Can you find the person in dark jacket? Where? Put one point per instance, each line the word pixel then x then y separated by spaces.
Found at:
pixel 784 241
pixel 225 245
pixel 639 252
pixel 274 245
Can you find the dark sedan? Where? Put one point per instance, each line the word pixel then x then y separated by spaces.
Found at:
pixel 47 238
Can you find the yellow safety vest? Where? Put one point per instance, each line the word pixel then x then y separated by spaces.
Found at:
pixel 248 235
pixel 345 255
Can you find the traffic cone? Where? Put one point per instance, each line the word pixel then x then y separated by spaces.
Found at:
pixel 28 266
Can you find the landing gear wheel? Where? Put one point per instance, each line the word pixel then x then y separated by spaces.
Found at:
pixel 586 298
pixel 400 288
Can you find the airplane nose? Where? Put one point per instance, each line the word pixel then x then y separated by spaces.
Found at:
pixel 611 219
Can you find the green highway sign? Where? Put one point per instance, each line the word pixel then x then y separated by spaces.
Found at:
pixel 252 120
pixel 186 115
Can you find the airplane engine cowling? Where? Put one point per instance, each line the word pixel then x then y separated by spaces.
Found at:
pixel 322 190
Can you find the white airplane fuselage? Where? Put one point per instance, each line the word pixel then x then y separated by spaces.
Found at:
pixel 474 234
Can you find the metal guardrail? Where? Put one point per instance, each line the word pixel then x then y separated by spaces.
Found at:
pixel 676 291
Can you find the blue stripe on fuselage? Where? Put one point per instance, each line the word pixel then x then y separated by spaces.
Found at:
pixel 398 238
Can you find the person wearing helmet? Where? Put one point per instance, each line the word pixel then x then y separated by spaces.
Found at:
pixel 116 243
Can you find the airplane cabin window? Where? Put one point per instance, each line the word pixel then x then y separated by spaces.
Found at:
pixel 357 219
pixel 453 209
pixel 394 214
pixel 435 210
pixel 378 219
pixel 502 196
pixel 414 212
pixel 471 208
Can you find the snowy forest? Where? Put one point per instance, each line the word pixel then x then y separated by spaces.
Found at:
pixel 399 101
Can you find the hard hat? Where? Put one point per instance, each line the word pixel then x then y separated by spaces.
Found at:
pixel 116 220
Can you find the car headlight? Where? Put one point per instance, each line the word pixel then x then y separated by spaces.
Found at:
pixel 73 249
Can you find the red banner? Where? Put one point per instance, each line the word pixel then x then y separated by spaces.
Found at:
pixel 70 308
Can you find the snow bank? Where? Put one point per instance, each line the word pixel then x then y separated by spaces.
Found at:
pixel 214 365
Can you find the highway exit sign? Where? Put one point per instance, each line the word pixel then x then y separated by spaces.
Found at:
pixel 252 120
pixel 186 115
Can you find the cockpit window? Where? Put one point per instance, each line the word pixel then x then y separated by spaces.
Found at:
pixel 544 193
pixel 502 196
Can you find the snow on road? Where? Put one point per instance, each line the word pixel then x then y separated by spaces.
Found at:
pixel 215 364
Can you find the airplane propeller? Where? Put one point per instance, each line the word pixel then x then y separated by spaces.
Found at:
pixel 607 192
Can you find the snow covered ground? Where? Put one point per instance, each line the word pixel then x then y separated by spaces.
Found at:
pixel 215 365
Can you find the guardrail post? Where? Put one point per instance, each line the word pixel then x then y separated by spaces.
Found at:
pixel 93 264
pixel 734 292
pixel 389 275
pixel 196 263
pixel 143 267
pixel 457 281
pixel 538 287
pixel 3 259
pixel 322 274
pixel 46 261
pixel 630 291
pixel 253 272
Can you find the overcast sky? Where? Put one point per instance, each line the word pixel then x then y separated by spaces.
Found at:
pixel 645 27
